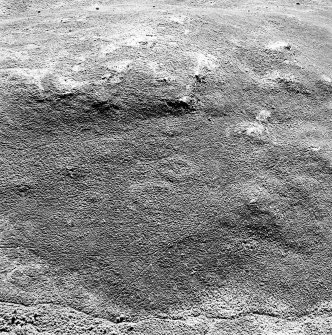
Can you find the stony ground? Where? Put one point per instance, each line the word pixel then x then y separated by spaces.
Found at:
pixel 166 167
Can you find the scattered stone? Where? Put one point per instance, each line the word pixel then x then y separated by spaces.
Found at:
pixel 326 78
pixel 181 19
pixel 279 45
pixel 120 318
pixel 263 115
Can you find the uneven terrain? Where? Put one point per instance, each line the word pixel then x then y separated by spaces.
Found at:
pixel 166 167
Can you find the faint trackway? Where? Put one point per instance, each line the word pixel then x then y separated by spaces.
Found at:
pixel 327 312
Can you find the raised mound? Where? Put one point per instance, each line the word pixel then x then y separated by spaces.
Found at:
pixel 167 160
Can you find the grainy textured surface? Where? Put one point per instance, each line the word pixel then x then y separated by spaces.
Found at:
pixel 166 167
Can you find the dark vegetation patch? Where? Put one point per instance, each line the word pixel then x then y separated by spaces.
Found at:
pixel 105 108
pixel 74 172
pixel 23 190
pixel 260 221
pixel 222 110
pixel 209 257
pixel 263 60
pixel 324 88
pixel 240 246
pixel 11 194
pixel 178 107
pixel 99 245
pixel 51 110
pixel 287 160
pixel 284 103
pixel 294 86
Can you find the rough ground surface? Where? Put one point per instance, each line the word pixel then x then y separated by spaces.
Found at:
pixel 166 167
